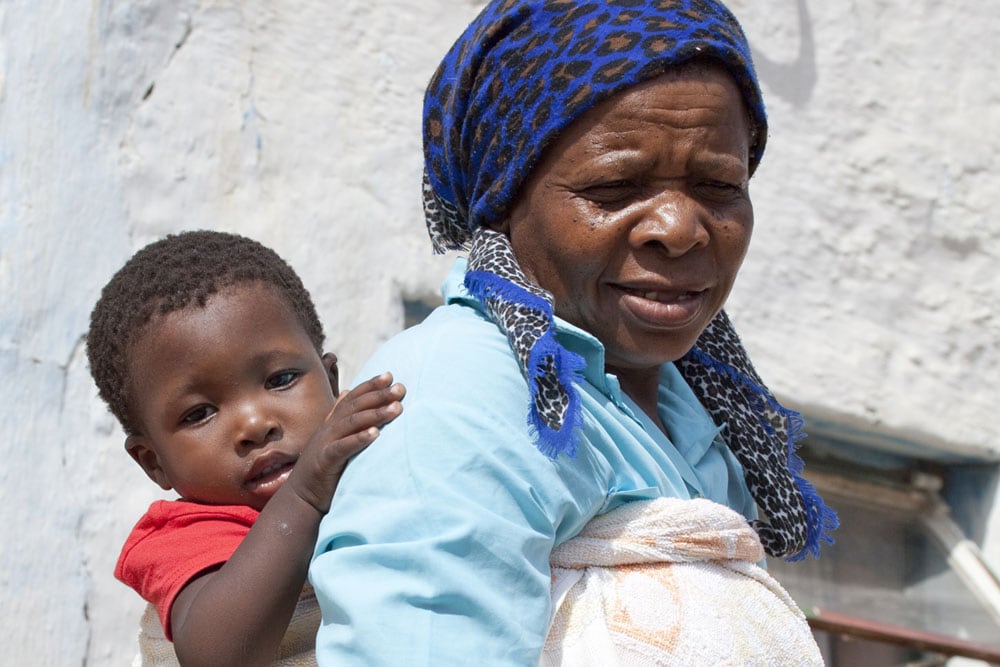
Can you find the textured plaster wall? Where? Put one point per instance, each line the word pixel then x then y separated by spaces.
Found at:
pixel 871 288
pixel 869 293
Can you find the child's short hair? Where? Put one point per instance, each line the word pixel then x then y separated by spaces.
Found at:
pixel 171 274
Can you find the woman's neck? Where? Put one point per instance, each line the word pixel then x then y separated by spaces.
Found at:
pixel 643 387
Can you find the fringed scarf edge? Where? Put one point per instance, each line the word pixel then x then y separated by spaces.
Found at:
pixel 486 287
pixel 821 520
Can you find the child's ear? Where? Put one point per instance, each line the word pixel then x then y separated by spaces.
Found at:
pixel 330 364
pixel 140 449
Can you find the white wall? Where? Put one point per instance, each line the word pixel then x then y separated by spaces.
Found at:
pixel 871 285
pixel 869 292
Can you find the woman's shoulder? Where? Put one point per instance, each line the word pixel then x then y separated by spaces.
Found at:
pixel 455 345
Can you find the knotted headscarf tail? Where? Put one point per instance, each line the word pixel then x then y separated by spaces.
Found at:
pixel 520 74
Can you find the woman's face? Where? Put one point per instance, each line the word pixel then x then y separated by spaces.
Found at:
pixel 638 218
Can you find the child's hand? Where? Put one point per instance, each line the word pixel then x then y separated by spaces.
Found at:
pixel 353 423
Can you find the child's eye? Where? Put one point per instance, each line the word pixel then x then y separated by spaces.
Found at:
pixel 282 379
pixel 198 414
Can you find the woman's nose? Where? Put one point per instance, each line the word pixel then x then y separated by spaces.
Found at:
pixel 257 426
pixel 671 220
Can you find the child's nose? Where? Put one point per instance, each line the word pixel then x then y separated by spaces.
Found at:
pixel 257 426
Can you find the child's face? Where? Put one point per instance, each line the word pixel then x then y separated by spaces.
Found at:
pixel 227 396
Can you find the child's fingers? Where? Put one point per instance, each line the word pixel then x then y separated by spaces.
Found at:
pixel 333 408
pixel 343 448
pixel 380 381
pixel 361 399
pixel 375 398
pixel 318 470
pixel 360 420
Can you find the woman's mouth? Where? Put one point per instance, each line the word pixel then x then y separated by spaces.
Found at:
pixel 662 309
pixel 663 297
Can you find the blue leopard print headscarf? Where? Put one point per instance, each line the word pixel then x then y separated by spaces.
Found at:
pixel 520 74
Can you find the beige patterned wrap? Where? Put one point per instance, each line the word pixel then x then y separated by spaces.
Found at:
pixel 671 582
pixel 298 646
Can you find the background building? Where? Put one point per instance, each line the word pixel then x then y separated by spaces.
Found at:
pixel 869 298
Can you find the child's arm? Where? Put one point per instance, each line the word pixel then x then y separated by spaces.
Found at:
pixel 237 614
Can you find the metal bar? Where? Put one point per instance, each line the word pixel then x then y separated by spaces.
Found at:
pixel 852 626
pixel 965 559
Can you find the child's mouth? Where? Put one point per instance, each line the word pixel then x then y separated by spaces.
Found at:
pixel 271 469
pixel 269 473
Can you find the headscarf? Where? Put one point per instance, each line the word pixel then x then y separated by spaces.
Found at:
pixel 519 75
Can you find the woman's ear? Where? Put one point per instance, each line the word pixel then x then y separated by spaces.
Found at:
pixel 330 363
pixel 141 449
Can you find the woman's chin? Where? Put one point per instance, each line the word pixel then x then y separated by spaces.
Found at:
pixel 645 350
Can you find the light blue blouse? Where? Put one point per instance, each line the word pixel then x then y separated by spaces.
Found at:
pixel 436 548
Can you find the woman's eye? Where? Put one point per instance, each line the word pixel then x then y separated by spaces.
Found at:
pixel 282 379
pixel 199 414
pixel 610 193
pixel 721 189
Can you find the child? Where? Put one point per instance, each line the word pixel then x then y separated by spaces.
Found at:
pixel 206 347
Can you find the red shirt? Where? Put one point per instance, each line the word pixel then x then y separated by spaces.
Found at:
pixel 174 542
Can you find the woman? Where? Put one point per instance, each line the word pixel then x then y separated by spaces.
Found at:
pixel 593 158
